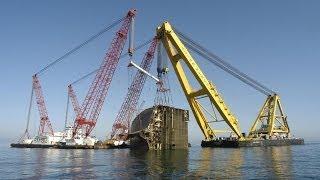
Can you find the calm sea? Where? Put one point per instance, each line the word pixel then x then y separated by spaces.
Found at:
pixel 286 162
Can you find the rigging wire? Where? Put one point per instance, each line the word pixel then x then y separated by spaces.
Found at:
pixel 93 37
pixel 224 65
pixel 122 56
pixel 226 69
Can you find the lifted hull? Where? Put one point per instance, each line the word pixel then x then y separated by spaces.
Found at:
pixel 251 143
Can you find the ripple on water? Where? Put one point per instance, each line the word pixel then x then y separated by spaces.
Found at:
pixel 286 162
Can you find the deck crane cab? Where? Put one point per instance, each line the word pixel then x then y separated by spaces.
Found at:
pixel 271 120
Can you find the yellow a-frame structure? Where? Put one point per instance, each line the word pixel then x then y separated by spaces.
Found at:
pixel 271 119
pixel 178 53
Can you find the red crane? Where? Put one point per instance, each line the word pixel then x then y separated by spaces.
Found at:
pixel 91 107
pixel 122 122
pixel 74 99
pixel 45 125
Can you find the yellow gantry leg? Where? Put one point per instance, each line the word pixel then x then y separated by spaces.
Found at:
pixel 177 53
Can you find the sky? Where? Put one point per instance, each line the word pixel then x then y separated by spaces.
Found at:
pixel 275 42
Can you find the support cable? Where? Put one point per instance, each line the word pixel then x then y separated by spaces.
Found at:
pixel 26 134
pixel 224 65
pixel 226 69
pixel 29 110
pixel 122 56
pixel 93 37
pixel 67 112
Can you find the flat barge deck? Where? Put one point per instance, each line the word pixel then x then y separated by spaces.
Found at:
pixel 219 143
pixel 227 143
pixel 96 146
pixel 21 145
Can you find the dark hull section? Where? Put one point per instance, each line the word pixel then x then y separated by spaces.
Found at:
pixel 96 146
pixel 137 142
pixel 110 146
pixel 74 147
pixel 18 145
pixel 251 143
pixel 221 143
pixel 122 146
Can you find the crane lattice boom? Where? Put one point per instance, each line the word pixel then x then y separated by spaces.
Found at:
pixel 44 118
pixel 74 99
pixel 122 122
pixel 91 107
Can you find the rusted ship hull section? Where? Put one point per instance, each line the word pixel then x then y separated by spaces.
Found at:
pixel 159 128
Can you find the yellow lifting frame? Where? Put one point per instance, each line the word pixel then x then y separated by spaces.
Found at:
pixel 268 113
pixel 177 52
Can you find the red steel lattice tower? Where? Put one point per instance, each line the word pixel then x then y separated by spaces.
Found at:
pixel 91 107
pixel 45 125
pixel 122 122
pixel 74 99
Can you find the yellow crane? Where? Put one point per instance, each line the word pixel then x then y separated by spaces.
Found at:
pixel 178 53
pixel 271 119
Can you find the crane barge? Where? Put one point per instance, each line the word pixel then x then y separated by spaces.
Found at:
pixel 270 127
pixel 88 113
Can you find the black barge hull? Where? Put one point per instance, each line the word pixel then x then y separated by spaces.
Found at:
pixel 251 143
pixel 96 146
pixel 18 145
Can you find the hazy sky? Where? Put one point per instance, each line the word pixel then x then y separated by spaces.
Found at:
pixel 276 42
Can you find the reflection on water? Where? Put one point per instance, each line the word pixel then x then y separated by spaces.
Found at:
pixel 79 161
pixel 160 163
pixel 218 163
pixel 285 162
pixel 41 163
pixel 264 162
pixel 282 161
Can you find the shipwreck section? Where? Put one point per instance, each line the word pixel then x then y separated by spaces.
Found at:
pixel 159 128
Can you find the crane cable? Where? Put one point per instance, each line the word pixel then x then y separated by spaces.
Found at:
pixel 224 65
pixel 93 37
pixel 122 56
pixel 226 69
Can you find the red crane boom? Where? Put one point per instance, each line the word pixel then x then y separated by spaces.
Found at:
pixel 74 99
pixel 44 118
pixel 122 122
pixel 91 107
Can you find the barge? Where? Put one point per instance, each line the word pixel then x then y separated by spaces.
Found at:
pixel 24 145
pixel 59 140
pixel 234 143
